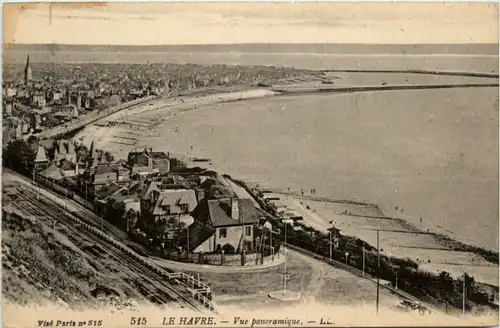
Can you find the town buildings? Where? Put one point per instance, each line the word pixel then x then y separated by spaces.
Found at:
pixel 62 149
pixel 224 221
pixel 147 162
pixel 160 203
pixel 13 129
pixel 106 173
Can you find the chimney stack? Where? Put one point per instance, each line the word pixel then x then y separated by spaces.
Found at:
pixel 235 211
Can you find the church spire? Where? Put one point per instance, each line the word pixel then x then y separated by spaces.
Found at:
pixel 27 71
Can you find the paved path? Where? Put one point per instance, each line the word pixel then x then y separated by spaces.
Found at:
pixel 312 291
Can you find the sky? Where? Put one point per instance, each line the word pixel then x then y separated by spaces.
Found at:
pixel 230 23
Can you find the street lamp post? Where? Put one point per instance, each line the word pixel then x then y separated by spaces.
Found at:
pixel 36 187
pixel 463 296
pixel 285 277
pixel 378 267
pixel 271 242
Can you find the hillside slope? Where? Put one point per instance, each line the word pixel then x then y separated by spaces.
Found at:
pixel 40 266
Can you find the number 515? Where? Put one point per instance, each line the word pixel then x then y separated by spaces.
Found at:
pixel 138 321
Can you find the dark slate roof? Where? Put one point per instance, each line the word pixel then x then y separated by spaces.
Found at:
pixel 217 212
pixel 52 172
pixel 108 190
pixel 148 188
pixel 152 154
pixel 158 155
pixel 174 198
pixel 124 198
pixel 66 165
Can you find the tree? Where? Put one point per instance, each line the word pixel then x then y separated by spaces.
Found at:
pixel 217 191
pixel 131 217
pixel 175 227
pixel 32 140
pixel 109 157
pixel 446 281
pixel 115 210
pixel 18 155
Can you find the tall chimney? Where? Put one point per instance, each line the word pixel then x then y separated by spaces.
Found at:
pixel 235 211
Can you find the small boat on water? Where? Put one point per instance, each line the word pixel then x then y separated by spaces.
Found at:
pixel 200 159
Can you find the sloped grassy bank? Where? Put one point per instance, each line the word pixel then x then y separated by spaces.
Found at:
pixel 441 290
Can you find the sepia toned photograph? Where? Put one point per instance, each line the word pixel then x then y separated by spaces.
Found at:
pixel 306 164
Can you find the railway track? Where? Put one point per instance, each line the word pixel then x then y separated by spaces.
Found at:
pixel 151 283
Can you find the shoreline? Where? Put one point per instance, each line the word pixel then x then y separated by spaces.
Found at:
pixel 177 106
pixel 447 243
pixel 466 247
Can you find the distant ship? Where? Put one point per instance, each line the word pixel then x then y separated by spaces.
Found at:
pixel 200 159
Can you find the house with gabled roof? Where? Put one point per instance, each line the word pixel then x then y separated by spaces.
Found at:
pixel 159 206
pixel 104 174
pixel 64 149
pixel 148 162
pixel 218 222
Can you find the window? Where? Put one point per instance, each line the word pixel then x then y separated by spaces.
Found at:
pixel 184 208
pixel 166 208
pixel 222 233
pixel 248 231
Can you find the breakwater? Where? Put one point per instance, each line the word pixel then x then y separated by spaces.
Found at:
pixel 298 90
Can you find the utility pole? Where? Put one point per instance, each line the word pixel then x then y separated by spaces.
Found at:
pixel 378 267
pixel 463 297
pixel 330 245
pixel 285 276
pixel 271 241
pixel 34 185
pixel 187 231
pixel 363 259
pixel 242 228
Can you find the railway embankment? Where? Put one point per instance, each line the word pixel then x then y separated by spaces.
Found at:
pixel 175 286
